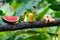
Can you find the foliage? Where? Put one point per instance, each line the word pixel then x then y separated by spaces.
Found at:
pixel 17 8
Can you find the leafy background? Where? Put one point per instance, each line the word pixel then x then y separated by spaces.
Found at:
pixel 17 8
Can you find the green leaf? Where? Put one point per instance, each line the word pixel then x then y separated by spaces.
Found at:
pixel 42 36
pixel 1 21
pixel 45 10
pixel 52 30
pixel 22 1
pixel 5 35
pixel 5 7
pixel 51 1
pixel 55 6
pixel 9 1
pixel 1 13
pixel 26 6
pixel 57 14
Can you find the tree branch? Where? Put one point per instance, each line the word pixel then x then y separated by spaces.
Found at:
pixel 25 25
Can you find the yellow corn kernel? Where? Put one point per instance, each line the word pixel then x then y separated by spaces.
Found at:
pixel 30 17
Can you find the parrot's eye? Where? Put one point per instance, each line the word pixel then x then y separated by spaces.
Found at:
pixel 25 12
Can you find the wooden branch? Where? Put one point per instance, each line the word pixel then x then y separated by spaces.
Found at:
pixel 25 25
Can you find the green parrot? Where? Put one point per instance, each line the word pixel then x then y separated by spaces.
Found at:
pixel 21 17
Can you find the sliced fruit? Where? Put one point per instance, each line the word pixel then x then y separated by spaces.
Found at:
pixel 10 18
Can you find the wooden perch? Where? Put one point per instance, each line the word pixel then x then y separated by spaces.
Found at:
pixel 25 25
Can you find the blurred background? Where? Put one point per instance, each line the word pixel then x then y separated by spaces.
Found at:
pixel 39 8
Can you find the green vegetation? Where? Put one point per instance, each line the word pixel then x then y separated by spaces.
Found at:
pixel 41 7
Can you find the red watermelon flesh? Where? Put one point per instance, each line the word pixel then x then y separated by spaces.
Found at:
pixel 10 18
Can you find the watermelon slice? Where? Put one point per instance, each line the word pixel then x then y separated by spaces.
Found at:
pixel 10 18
